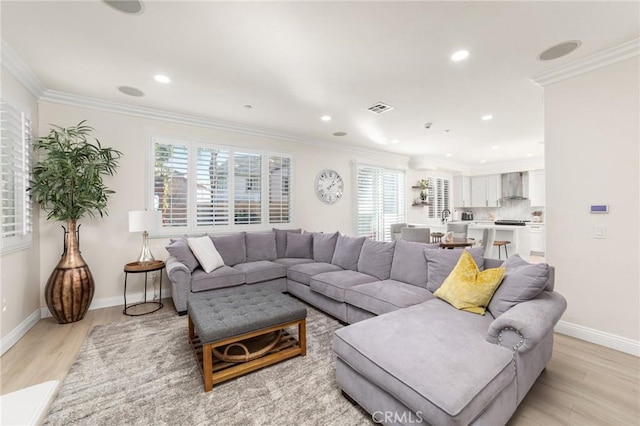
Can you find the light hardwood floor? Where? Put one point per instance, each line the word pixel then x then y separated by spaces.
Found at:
pixel 584 384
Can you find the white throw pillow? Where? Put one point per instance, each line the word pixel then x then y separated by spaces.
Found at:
pixel 206 253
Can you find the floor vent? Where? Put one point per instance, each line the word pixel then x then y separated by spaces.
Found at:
pixel 379 108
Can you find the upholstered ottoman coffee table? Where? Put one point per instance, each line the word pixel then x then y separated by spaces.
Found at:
pixel 236 331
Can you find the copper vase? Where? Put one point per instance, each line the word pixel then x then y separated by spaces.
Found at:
pixel 70 287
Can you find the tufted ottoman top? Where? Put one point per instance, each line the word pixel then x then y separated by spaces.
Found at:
pixel 226 313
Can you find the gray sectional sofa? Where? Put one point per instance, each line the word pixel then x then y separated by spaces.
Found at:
pixel 407 357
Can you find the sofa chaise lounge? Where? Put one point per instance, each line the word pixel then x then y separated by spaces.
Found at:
pixel 407 357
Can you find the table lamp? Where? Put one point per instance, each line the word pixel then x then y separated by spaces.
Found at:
pixel 144 221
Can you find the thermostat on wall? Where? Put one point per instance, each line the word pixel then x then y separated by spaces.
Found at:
pixel 599 208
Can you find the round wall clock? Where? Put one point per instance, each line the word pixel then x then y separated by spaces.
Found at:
pixel 329 186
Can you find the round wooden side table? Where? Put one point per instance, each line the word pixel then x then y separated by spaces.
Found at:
pixel 138 268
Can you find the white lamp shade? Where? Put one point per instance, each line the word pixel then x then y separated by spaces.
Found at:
pixel 144 220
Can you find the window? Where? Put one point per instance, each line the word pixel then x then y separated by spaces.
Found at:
pixel 15 202
pixel 380 198
pixel 201 187
pixel 439 196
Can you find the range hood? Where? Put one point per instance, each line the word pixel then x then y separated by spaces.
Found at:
pixel 515 186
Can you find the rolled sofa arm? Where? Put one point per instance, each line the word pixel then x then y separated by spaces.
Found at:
pixel 524 326
pixel 180 278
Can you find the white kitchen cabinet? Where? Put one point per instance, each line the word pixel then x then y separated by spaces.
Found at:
pixel 461 191
pixel 538 239
pixel 485 191
pixel 536 188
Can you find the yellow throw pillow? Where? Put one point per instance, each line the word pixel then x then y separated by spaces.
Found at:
pixel 467 288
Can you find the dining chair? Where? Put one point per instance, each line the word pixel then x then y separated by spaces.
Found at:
pixel 488 237
pixel 459 230
pixel 419 235
pixel 396 230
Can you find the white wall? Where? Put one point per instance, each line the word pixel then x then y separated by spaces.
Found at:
pixel 106 243
pixel 19 271
pixel 592 156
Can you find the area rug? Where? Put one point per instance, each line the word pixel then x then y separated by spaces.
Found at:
pixel 143 372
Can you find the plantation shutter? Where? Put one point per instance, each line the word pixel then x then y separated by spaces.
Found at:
pixel 439 196
pixel 212 188
pixel 279 189
pixel 15 152
pixel 380 201
pixel 171 182
pixel 247 188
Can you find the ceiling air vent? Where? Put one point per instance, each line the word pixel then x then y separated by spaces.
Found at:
pixel 379 108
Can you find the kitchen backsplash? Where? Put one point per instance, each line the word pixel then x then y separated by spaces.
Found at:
pixel 510 209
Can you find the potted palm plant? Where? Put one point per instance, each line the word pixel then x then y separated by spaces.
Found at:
pixel 68 184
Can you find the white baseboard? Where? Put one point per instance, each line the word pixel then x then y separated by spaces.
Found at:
pixel 16 334
pixel 601 338
pixel 107 302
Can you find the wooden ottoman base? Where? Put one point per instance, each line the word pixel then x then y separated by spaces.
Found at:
pixel 215 370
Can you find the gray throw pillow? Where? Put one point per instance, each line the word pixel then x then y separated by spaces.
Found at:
pixel 231 247
pixel 440 263
pixel 347 252
pixel 376 258
pixel 183 254
pixel 323 246
pixel 281 239
pixel 409 263
pixel 522 281
pixel 299 245
pixel 261 246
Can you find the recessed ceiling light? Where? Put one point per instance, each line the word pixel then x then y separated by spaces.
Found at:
pixel 448 155
pixel 494 147
pixel 460 55
pixel 483 161
pixel 487 117
pixel 340 134
pixel 126 6
pixel 559 50
pixel 131 91
pixel 325 118
pixel 395 141
pixel 162 79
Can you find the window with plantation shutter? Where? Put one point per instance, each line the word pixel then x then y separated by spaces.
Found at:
pixel 439 196
pixel 279 189
pixel 171 182
pixel 380 201
pixel 200 187
pixel 15 203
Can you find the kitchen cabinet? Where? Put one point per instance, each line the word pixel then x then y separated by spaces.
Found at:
pixel 461 191
pixel 538 239
pixel 536 188
pixel 485 191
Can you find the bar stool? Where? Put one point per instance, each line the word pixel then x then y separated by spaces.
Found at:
pixel 499 244
pixel 436 237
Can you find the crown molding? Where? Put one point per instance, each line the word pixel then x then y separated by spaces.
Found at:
pixel 17 68
pixel 590 63
pixel 192 120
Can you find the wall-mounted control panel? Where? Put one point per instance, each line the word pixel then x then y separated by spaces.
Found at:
pixel 599 208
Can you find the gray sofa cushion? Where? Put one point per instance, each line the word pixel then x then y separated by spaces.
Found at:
pixel 347 252
pixel 440 263
pixel 456 374
pixel 334 284
pixel 324 246
pixel 281 239
pixel 225 276
pixel 261 246
pixel 183 254
pixel 290 261
pixel 381 297
pixel 410 263
pixel 522 281
pixel 262 270
pixel 299 245
pixel 375 258
pixel 302 273
pixel 231 247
